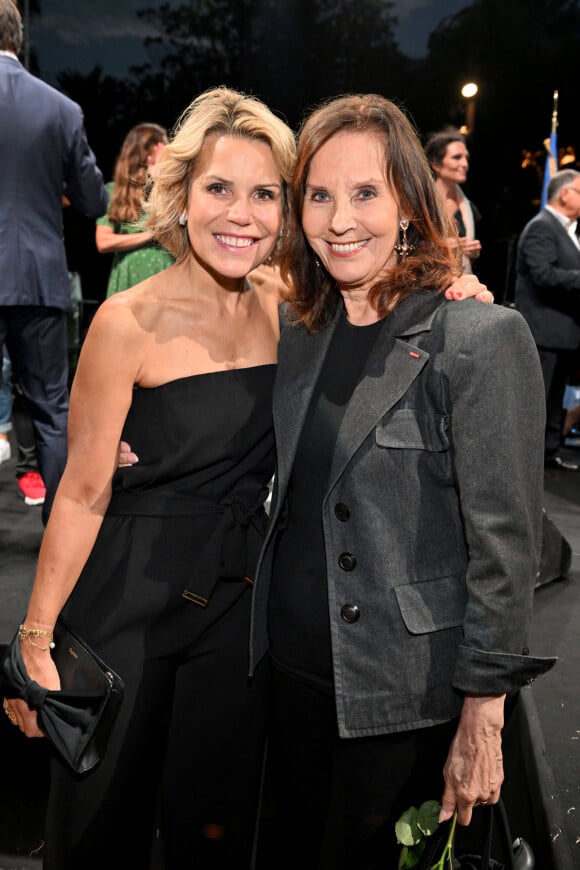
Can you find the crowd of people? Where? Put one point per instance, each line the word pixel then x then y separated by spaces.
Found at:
pixel 287 325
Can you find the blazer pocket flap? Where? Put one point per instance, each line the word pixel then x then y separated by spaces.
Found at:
pixel 433 605
pixel 407 429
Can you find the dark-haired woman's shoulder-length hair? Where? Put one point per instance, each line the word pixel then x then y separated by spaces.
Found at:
pixel 432 264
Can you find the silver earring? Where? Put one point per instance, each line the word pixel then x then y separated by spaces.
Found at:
pixel 182 219
pixel 403 247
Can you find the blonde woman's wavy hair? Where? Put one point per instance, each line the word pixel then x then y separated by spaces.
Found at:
pixel 218 110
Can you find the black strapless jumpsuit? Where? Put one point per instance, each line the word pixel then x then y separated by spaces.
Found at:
pixel 165 600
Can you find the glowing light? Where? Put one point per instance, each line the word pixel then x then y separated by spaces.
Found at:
pixel 469 90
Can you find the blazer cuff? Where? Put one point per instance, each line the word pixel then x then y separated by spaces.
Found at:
pixel 481 672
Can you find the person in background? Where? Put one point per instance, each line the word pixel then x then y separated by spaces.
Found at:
pixel 153 565
pixel 394 591
pixel 547 293
pixel 136 253
pixel 44 154
pixel 14 415
pixel 449 158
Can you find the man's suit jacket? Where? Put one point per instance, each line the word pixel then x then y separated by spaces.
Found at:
pixel 436 490
pixel 547 290
pixel 43 154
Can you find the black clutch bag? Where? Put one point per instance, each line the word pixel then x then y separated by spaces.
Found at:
pixel 77 719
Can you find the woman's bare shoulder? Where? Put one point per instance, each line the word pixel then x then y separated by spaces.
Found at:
pixel 137 308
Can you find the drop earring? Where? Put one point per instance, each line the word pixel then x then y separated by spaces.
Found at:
pixel 403 247
pixel 182 219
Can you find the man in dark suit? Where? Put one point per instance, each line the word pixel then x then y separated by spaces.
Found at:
pixel 547 293
pixel 44 155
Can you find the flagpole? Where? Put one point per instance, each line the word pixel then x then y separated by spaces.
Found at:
pixel 551 146
pixel 555 113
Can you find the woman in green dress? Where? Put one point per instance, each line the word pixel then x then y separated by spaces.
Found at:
pixel 136 253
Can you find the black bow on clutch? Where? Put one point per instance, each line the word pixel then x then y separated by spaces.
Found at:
pixel 77 719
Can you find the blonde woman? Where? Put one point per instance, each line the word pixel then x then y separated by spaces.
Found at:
pixel 153 565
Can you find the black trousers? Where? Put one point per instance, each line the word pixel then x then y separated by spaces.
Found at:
pixel 36 341
pixel 337 800
pixel 26 458
pixel 557 366
pixel 187 750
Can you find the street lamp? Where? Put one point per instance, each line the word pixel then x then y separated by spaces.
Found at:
pixel 469 92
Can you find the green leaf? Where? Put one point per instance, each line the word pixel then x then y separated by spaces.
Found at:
pixel 403 858
pixel 406 828
pixel 415 855
pixel 428 817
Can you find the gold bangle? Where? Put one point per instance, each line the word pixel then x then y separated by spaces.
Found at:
pixel 25 634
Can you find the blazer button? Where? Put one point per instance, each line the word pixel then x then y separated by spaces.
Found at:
pixel 346 561
pixel 341 512
pixel 525 651
pixel 350 613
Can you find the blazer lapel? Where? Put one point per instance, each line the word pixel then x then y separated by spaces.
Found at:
pixel 393 365
pixel 300 358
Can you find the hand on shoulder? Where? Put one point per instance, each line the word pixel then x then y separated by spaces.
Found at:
pixel 266 279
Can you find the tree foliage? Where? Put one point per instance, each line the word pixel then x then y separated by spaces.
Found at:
pixel 291 54
pixel 294 53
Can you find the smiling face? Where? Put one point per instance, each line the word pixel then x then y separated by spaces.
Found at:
pixel 234 211
pixel 350 216
pixel 454 165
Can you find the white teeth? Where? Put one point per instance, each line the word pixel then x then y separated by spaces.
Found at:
pixel 235 242
pixel 345 248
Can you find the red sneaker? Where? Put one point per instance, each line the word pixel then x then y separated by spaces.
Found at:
pixel 32 487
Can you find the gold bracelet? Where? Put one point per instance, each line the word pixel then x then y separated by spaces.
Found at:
pixel 26 633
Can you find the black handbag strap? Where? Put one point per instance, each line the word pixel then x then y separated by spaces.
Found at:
pixel 497 821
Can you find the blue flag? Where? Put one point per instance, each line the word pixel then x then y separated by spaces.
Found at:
pixel 551 146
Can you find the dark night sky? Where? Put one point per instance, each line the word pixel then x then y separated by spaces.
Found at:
pixel 79 34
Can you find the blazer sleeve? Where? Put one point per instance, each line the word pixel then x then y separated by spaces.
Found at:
pixel 84 184
pixel 497 431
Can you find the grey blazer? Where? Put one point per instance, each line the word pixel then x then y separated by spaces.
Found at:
pixel 43 154
pixel 435 497
pixel 547 290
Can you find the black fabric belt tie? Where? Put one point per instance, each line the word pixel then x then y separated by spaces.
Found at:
pixel 232 549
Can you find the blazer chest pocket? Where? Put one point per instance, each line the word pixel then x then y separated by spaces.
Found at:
pixel 407 429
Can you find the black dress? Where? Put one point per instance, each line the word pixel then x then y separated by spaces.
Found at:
pixel 165 599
